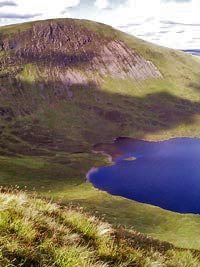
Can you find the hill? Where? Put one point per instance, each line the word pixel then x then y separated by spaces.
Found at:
pixel 62 80
pixel 66 85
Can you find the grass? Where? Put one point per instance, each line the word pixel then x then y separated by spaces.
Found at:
pixel 34 232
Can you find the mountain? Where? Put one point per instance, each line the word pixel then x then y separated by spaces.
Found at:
pixel 61 81
pixel 66 85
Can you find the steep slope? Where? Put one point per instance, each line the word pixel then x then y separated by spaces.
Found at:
pixel 37 233
pixel 64 48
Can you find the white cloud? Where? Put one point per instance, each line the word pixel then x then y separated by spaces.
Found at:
pixel 101 4
pixel 47 8
pixel 143 18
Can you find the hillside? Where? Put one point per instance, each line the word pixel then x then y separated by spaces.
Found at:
pixel 62 80
pixel 66 85
pixel 34 232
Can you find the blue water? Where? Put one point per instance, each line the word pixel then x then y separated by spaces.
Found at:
pixel 195 52
pixel 165 174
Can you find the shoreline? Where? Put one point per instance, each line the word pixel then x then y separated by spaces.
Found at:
pixel 155 140
pixel 110 158
pixel 95 169
pixel 92 170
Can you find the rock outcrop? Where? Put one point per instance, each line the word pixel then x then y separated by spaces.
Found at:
pixel 73 54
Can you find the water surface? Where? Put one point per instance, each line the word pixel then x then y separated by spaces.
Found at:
pixel 165 174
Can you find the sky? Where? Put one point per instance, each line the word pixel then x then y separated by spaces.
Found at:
pixel 171 23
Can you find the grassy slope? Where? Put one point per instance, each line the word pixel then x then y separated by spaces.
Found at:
pixel 180 81
pixel 62 175
pixel 38 233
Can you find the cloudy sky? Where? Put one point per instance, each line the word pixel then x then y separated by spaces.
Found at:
pixel 172 23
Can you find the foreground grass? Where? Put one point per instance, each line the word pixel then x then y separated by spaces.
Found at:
pixel 34 232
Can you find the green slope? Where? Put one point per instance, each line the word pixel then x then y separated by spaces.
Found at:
pixel 55 106
pixel 38 233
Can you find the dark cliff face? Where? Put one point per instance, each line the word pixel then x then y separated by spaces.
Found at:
pixel 65 48
pixel 49 43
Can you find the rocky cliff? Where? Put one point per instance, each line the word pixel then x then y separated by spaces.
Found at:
pixel 73 54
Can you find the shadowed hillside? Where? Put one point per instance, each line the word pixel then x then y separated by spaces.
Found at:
pixel 39 121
